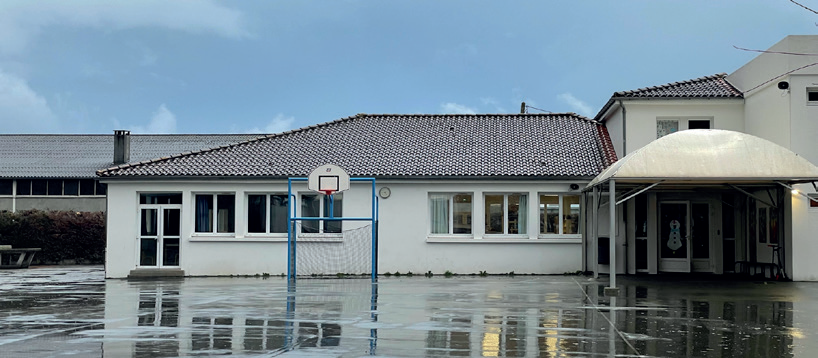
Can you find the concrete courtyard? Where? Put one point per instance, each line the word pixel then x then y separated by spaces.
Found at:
pixel 75 312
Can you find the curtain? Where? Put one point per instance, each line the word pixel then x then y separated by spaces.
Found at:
pixel 204 210
pixel 522 215
pixel 439 210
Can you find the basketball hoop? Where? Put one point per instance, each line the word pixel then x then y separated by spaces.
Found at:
pixel 328 179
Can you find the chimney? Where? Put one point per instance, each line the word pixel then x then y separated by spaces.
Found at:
pixel 122 146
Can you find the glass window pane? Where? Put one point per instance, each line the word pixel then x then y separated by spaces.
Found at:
pixel 23 187
pixel 39 186
pixel 256 213
pixel 439 211
pixel 494 214
pixel 54 186
pixel 666 126
pixel 172 222
pixel 5 186
pixel 462 213
pixel 204 213
pixel 570 212
pixel 71 187
pixel 170 252
pixel 517 214
pixel 226 216
pixel 87 186
pixel 337 212
pixel 102 189
pixel 549 214
pixel 310 208
pixel 148 225
pixel 278 213
pixel 147 252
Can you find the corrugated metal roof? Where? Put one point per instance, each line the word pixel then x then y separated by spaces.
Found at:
pixel 400 145
pixel 80 156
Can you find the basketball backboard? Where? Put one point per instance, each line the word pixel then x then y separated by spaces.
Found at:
pixel 328 179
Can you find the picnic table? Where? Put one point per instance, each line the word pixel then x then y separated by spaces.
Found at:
pixel 16 258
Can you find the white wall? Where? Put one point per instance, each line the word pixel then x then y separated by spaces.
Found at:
pixel 404 225
pixel 641 116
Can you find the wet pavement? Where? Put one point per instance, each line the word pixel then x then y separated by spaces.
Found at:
pixel 75 312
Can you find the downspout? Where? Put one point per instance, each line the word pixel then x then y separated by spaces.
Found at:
pixel 14 196
pixel 624 129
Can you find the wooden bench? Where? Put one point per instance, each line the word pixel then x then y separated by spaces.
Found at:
pixel 752 268
pixel 16 258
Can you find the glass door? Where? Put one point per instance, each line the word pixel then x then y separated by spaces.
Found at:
pixel 159 233
pixel 674 235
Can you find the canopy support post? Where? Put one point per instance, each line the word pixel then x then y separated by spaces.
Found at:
pixel 612 290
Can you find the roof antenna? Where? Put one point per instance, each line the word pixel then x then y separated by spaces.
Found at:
pixel 522 108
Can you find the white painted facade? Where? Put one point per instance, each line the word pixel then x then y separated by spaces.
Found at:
pixel 405 242
pixel 785 117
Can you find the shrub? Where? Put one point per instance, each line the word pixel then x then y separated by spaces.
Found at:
pixel 62 235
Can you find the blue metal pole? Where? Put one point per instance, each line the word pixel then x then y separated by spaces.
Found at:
pixel 289 228
pixel 374 238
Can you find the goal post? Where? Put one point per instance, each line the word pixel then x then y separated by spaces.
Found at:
pixel 335 252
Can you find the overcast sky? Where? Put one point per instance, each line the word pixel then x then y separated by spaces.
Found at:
pixel 157 66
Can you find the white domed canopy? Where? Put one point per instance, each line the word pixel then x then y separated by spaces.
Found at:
pixel 710 155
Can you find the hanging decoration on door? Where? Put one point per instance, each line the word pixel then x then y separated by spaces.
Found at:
pixel 674 242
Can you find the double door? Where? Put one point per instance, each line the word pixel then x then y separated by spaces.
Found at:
pixel 685 229
pixel 159 233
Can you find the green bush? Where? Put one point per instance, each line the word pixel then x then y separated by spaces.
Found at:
pixel 62 235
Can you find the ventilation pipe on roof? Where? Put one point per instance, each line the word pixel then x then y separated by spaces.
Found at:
pixel 122 146
pixel 522 108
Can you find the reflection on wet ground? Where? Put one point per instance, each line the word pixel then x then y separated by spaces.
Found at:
pixel 73 311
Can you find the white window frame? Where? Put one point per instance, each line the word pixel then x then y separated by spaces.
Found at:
pixel 561 216
pixel 683 123
pixel 450 200
pixel 266 232
pixel 505 214
pixel 215 215
pixel 810 90
pixel 321 213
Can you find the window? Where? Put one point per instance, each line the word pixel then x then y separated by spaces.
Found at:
pixel 6 186
pixel 506 213
pixel 215 213
pixel 56 187
pixel 318 205
pixel 698 124
pixel 559 214
pixel 666 126
pixel 162 198
pixel 813 200
pixel 258 219
pixel 812 96
pixel 450 213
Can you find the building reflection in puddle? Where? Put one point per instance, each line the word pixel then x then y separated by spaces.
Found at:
pixel 214 316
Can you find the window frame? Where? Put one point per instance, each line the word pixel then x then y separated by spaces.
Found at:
pixel 561 215
pixel 322 205
pixel 214 216
pixel 450 215
pixel 23 187
pixel 506 219
pixel 683 122
pixel 807 93
pixel 267 216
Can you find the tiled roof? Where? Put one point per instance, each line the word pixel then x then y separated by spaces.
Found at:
pixel 399 146
pixel 715 86
pixel 80 156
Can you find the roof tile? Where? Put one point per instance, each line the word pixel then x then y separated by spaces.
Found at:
pixel 398 145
